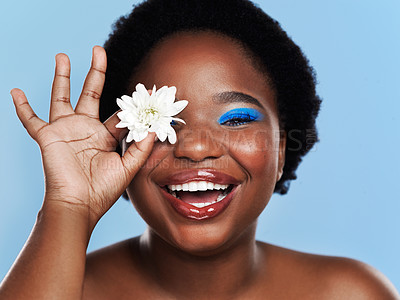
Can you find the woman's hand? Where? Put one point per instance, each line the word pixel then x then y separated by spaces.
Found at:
pixel 83 176
pixel 82 170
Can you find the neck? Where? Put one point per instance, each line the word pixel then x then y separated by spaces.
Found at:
pixel 228 271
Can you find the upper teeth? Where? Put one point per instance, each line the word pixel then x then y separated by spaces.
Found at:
pixel 194 186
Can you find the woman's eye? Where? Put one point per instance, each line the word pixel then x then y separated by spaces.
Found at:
pixel 173 122
pixel 238 119
pixel 240 116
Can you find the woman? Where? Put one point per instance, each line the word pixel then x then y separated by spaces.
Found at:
pixel 249 88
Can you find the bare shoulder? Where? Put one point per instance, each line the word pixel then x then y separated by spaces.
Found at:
pixel 111 270
pixel 357 280
pixel 327 277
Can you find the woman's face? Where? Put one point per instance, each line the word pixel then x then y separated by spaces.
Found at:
pixel 231 138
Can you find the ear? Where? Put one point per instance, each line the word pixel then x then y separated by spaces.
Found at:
pixel 281 154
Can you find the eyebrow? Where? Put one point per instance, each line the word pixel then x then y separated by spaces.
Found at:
pixel 229 97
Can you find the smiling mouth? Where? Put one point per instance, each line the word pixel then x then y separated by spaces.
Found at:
pixel 199 199
pixel 200 193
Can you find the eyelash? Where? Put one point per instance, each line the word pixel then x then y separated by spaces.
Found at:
pixel 238 119
pixel 241 116
pixel 235 118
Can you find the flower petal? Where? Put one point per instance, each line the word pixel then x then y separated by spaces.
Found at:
pixel 141 135
pixel 136 99
pixel 170 95
pixel 161 134
pixel 179 120
pixel 122 104
pixel 172 135
pixel 129 100
pixel 155 127
pixel 176 107
pixel 143 113
pixel 129 138
pixel 162 90
pixel 141 89
pixel 122 124
pixel 142 95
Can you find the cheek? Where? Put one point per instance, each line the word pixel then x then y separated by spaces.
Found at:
pixel 257 152
pixel 141 190
pixel 144 198
pixel 156 160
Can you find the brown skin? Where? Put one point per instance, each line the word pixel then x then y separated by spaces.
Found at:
pixel 178 258
pixel 175 258
pixel 84 176
pixel 201 69
pixel 124 271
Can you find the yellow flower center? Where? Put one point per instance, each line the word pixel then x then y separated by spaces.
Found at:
pixel 148 115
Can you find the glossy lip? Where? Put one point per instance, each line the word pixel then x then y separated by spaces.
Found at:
pixel 192 212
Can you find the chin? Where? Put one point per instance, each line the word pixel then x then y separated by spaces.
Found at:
pixel 204 240
pixel 207 244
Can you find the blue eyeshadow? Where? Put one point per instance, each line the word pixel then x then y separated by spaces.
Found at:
pixel 244 115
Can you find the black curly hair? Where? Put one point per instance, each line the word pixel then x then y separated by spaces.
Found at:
pixel 285 65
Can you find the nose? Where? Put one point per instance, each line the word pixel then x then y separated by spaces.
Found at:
pixel 198 144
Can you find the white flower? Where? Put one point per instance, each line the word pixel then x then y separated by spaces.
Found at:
pixel 143 113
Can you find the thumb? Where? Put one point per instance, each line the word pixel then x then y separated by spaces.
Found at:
pixel 136 155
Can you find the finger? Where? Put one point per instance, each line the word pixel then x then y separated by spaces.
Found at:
pixel 137 154
pixel 27 116
pixel 60 104
pixel 88 103
pixel 117 133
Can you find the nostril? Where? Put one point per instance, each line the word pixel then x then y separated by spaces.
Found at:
pixel 185 161
pixel 198 145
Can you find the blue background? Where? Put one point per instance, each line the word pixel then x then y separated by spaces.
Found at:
pixel 346 200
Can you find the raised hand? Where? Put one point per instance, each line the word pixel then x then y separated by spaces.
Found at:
pixel 82 170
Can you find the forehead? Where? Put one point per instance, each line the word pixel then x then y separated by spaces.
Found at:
pixel 193 61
